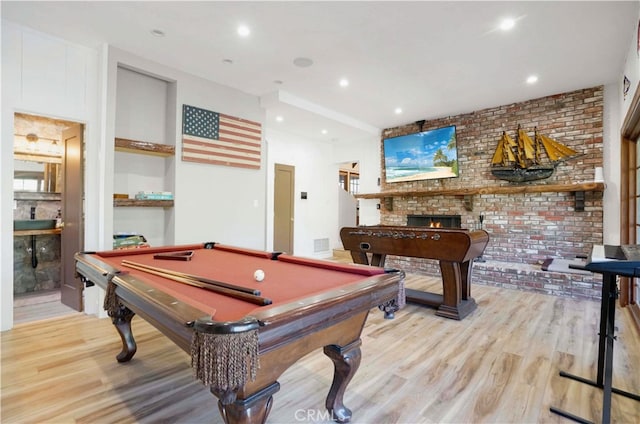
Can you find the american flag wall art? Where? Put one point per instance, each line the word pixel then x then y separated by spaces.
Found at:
pixel 218 139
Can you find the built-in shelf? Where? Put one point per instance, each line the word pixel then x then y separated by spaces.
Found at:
pixel 579 189
pixel 122 203
pixel 144 147
pixel 37 232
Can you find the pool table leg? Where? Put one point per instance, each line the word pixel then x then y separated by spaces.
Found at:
pixel 389 308
pixel 346 360
pixel 122 320
pixel 252 410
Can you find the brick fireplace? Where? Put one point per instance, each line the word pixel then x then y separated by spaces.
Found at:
pixel 525 229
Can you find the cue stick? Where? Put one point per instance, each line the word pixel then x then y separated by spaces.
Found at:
pixel 196 277
pixel 262 301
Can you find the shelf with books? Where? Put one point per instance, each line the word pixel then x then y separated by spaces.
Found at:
pixel 120 203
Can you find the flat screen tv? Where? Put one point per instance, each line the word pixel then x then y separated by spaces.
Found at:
pixel 425 155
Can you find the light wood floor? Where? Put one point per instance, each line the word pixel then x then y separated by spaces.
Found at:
pixel 38 306
pixel 499 365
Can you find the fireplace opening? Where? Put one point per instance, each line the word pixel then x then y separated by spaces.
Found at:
pixel 434 221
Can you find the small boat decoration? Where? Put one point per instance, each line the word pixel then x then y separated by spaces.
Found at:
pixel 521 160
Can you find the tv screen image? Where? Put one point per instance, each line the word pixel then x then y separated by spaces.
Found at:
pixel 425 155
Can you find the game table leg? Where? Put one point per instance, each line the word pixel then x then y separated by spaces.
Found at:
pixel 457 302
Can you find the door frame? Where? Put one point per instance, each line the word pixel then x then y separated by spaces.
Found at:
pixel 82 125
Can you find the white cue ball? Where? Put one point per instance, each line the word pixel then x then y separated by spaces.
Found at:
pixel 258 275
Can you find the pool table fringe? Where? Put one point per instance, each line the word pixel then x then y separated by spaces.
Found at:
pixel 111 303
pixel 225 361
pixel 401 299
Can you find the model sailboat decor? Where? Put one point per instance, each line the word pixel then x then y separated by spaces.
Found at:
pixel 522 159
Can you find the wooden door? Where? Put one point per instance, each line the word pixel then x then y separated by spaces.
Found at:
pixel 283 201
pixel 72 238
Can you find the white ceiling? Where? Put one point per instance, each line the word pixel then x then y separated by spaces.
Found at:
pixel 432 59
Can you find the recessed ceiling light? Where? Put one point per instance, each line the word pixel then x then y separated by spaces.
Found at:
pixel 279 118
pixel 157 32
pixel 397 110
pixel 532 79
pixel 302 62
pixel 507 24
pixel 243 31
pixel 324 131
pixel 344 82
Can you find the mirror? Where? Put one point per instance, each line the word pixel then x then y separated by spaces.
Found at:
pixel 35 176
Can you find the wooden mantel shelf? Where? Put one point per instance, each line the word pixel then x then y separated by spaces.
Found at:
pixel 468 193
pixel 541 188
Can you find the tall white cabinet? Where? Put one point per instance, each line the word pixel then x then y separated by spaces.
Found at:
pixel 145 134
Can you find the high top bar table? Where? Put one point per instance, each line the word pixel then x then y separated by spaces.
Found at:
pixel 610 270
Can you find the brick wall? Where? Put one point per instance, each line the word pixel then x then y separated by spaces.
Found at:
pixel 525 229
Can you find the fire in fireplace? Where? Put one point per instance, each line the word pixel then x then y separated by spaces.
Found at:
pixel 434 221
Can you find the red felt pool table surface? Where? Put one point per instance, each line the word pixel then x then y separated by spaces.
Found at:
pixel 287 279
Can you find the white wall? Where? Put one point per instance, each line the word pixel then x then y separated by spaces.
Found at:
pixel 46 76
pixel 611 171
pixel 317 167
pixel 213 203
pixel 631 71
pixel 367 153
pixel 220 203
pixel 616 108
pixel 316 172
pixel 347 208
pixel 141 114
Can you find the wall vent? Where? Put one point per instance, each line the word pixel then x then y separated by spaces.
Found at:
pixel 320 245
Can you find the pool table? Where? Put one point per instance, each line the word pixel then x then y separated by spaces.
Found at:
pixel 239 347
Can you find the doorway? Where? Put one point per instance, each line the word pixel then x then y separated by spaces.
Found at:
pixel 48 175
pixel 349 181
